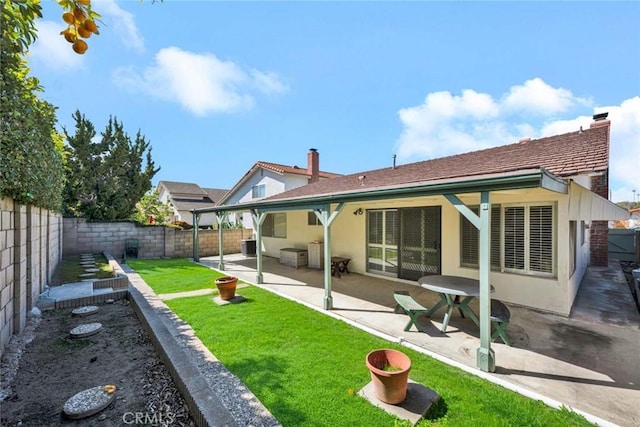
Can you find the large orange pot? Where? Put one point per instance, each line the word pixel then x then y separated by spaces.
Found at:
pixel 226 287
pixel 389 374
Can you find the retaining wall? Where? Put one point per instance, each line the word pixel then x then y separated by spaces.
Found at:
pixel 80 236
pixel 30 249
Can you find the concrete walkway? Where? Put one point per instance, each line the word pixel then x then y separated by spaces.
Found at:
pixel 589 362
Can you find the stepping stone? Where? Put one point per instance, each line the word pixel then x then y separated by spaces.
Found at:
pixel 85 311
pixel 88 280
pixel 87 258
pixel 85 330
pixel 91 270
pixel 87 274
pixel 418 401
pixel 89 402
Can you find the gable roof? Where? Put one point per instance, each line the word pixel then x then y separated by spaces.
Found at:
pixel 570 154
pixel 215 194
pixel 183 188
pixel 275 167
pixel 296 170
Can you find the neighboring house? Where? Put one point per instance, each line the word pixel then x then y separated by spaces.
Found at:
pixel 546 212
pixel 265 179
pixel 184 197
pixel 634 222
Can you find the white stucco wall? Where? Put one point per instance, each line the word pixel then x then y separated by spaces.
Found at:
pixel 554 294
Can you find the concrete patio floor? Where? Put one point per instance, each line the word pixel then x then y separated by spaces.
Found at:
pixel 589 362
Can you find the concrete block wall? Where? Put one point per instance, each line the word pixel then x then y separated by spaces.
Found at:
pixel 30 249
pixel 80 236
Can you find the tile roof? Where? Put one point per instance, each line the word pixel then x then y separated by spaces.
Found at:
pixel 292 169
pixel 564 155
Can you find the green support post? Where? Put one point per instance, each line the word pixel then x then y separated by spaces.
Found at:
pixel 485 355
pixel 196 257
pixel 220 218
pixel 258 219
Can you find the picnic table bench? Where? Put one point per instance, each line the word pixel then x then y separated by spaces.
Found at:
pixel 411 307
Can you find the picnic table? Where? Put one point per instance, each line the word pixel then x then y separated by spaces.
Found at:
pixel 339 265
pixel 451 289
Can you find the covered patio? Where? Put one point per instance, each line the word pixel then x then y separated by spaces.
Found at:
pixel 587 361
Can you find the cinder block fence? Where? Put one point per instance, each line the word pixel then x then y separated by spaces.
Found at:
pixel 81 236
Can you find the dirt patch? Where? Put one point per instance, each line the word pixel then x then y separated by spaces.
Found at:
pixel 53 367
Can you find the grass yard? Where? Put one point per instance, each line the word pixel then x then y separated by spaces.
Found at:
pixel 174 275
pixel 307 367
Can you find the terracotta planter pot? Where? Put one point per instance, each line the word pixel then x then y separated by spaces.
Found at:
pixel 389 374
pixel 226 287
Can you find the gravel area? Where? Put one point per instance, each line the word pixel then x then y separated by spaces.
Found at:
pixel 43 367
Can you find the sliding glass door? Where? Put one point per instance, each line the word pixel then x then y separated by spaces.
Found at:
pixel 404 243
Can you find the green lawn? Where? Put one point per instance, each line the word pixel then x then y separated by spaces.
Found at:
pixel 69 269
pixel 307 367
pixel 174 275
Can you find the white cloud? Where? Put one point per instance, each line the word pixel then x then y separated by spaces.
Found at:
pixel 537 97
pixel 51 49
pixel 447 124
pixel 121 23
pixel 201 83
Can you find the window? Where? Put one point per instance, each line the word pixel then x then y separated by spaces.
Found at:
pixel 312 219
pixel 583 227
pixel 522 239
pixel 257 192
pixel 275 225
pixel 572 247
pixel 470 239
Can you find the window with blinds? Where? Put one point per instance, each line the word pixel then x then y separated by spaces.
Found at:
pixel 522 239
pixel 275 225
pixel 541 239
pixel 470 239
pixel 514 241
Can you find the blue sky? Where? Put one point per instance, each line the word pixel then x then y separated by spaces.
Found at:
pixel 216 86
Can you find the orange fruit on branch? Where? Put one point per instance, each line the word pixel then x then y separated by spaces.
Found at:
pixel 68 18
pixel 79 14
pixel 84 33
pixel 69 35
pixel 84 2
pixel 80 46
pixel 90 26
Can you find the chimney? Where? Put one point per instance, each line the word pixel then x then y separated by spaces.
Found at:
pixel 313 165
pixel 600 120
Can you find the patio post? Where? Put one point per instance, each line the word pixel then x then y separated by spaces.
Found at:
pixel 220 217
pixel 326 220
pixel 485 356
pixel 196 257
pixel 258 219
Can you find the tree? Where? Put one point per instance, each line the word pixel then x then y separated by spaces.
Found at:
pixel 150 206
pixel 31 170
pixel 108 176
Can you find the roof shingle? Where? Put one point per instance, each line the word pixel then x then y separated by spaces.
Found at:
pixel 564 155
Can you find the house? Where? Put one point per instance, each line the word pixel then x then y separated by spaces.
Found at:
pixel 543 202
pixel 266 179
pixel 183 197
